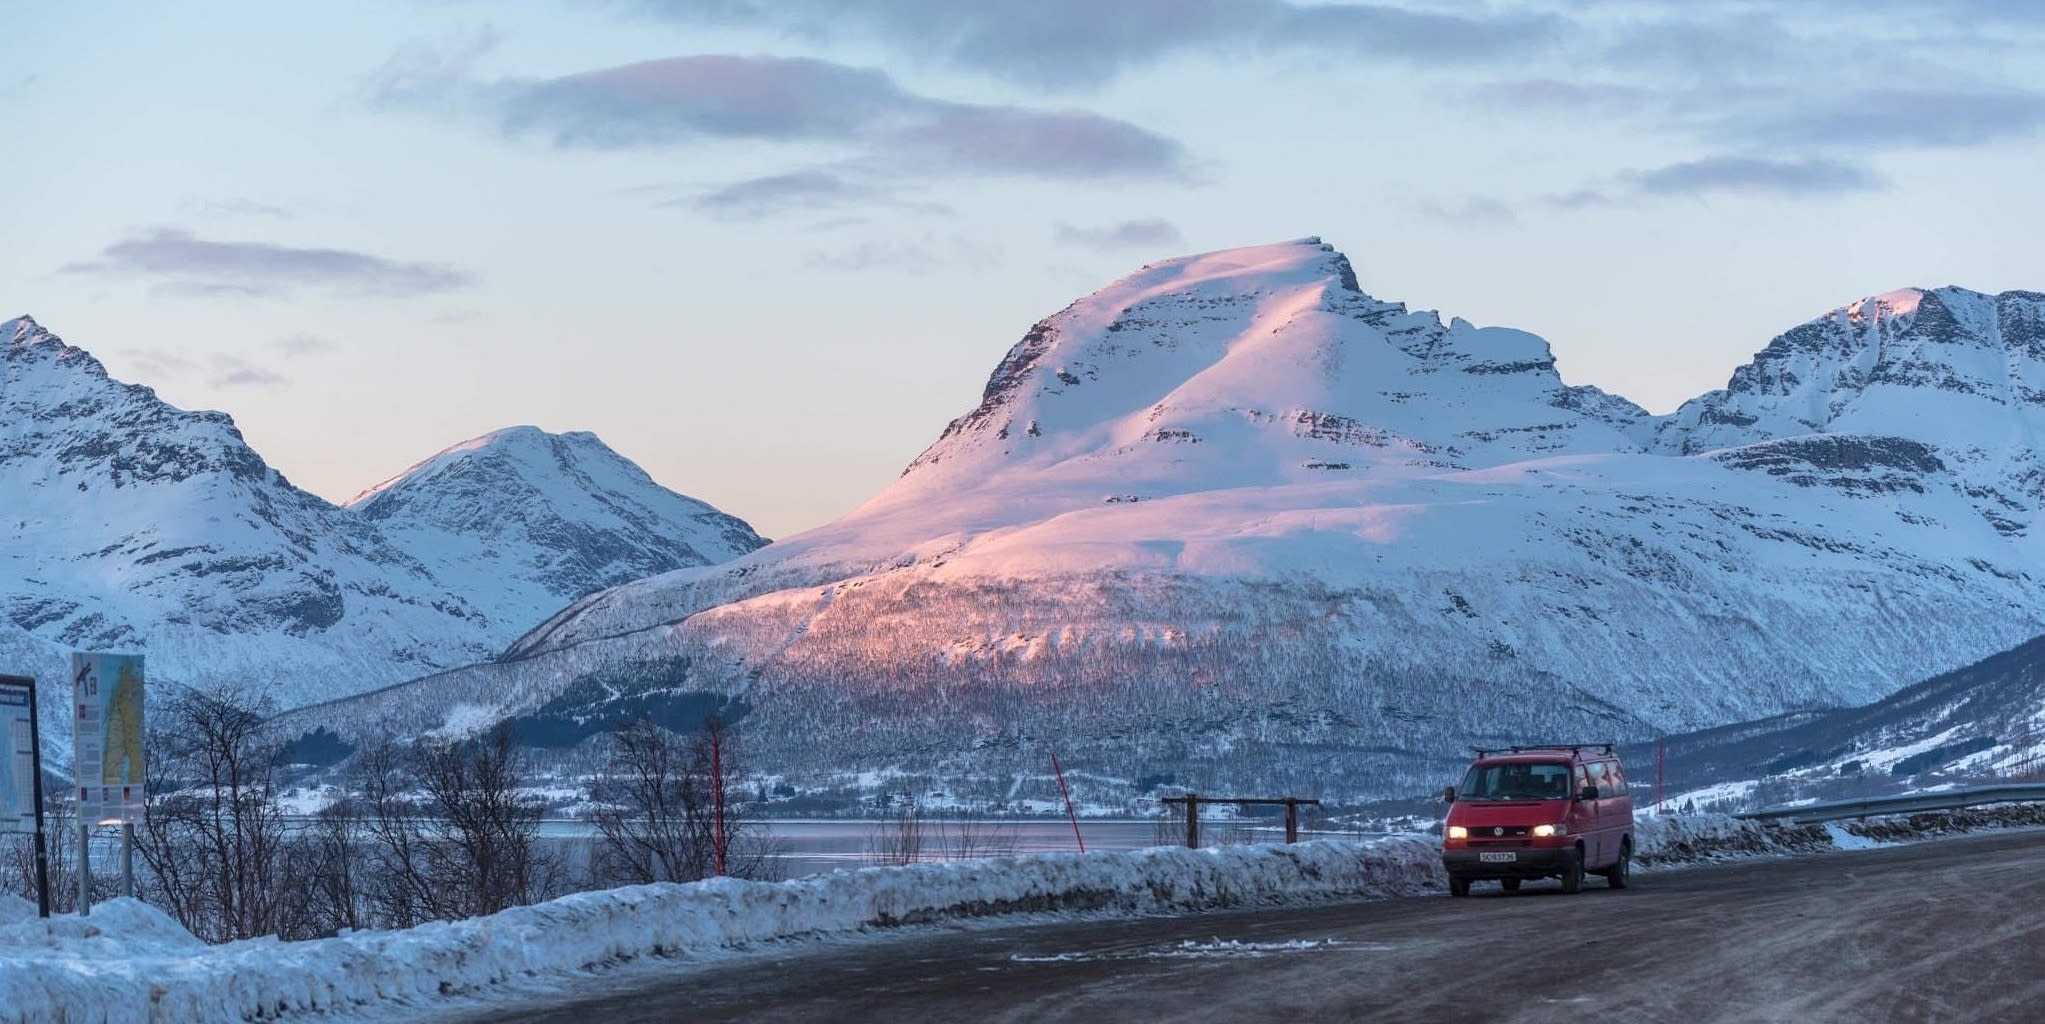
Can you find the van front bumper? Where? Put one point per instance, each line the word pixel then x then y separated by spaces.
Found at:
pixel 1527 862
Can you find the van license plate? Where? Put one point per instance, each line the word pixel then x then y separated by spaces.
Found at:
pixel 1488 857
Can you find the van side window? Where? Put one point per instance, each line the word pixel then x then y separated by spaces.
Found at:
pixel 1598 778
pixel 1617 777
pixel 1583 778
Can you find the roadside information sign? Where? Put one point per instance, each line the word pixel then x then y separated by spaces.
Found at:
pixel 106 693
pixel 17 756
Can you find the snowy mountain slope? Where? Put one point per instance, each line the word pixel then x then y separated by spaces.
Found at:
pixel 134 525
pixel 534 519
pixel 1231 519
pixel 1981 723
pixel 1958 370
pixel 1243 369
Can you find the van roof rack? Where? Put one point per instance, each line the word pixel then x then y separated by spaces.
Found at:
pixel 1528 748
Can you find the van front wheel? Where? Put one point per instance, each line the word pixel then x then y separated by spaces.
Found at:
pixel 1459 887
pixel 1572 871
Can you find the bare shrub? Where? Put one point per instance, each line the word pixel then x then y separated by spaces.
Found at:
pixel 898 838
pixel 483 852
pixel 60 831
pixel 397 887
pixel 651 816
pixel 671 812
pixel 213 833
pixel 325 864
pixel 1169 828
pixel 967 835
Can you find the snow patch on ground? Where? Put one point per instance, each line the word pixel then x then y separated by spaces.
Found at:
pixel 128 962
pixel 1845 840
pixel 14 909
pixel 1214 949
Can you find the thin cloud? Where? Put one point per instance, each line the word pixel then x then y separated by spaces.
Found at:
pixel 219 371
pixel 1552 95
pixel 679 101
pixel 1085 43
pixel 811 191
pixel 1474 212
pixel 779 193
pixel 1580 199
pixel 231 372
pixel 1807 177
pixel 683 99
pixel 243 208
pixel 422 71
pixel 303 345
pixel 1897 118
pixel 183 263
pixel 156 364
pixel 1154 232
pixel 1037 144
pixel 906 256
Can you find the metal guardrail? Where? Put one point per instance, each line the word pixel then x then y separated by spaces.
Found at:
pixel 1946 800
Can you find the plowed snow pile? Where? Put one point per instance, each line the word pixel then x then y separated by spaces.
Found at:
pixel 129 962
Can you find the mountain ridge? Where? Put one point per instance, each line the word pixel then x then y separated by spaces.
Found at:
pixel 137 525
pixel 1230 514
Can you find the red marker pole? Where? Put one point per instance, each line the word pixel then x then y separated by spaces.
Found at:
pixel 1069 812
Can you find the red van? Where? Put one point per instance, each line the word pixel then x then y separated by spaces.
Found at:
pixel 1539 812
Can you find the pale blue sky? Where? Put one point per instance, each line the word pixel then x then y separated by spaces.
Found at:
pixel 768 249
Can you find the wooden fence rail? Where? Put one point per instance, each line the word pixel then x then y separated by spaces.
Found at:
pixel 1292 804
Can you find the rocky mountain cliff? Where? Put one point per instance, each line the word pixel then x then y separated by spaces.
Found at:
pixel 133 525
pixel 1231 521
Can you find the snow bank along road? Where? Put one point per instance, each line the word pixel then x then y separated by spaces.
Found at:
pixel 1938 931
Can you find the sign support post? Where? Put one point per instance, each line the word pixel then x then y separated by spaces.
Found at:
pixel 21 776
pixel 84 869
pixel 42 847
pixel 128 859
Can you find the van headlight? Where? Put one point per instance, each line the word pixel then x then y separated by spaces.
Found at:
pixel 1544 831
pixel 1458 832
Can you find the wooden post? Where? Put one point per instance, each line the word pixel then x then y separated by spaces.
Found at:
pixel 717 794
pixel 1193 821
pixel 1291 820
pixel 1660 754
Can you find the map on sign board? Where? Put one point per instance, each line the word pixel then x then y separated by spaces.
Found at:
pixel 106 691
pixel 17 758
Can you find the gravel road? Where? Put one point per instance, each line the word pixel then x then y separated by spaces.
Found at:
pixel 1951 930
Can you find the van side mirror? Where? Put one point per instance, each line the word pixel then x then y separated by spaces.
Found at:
pixel 1589 793
pixel 1448 794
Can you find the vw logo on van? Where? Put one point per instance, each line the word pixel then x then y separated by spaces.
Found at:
pixel 1497 831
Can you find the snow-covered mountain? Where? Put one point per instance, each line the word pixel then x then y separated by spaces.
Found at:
pixel 133 525
pixel 1232 521
pixel 534 520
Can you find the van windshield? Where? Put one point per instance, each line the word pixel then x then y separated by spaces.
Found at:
pixel 1516 781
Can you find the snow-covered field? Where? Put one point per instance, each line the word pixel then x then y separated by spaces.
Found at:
pixel 128 962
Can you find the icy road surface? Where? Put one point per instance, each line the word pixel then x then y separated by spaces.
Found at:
pixel 1938 931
